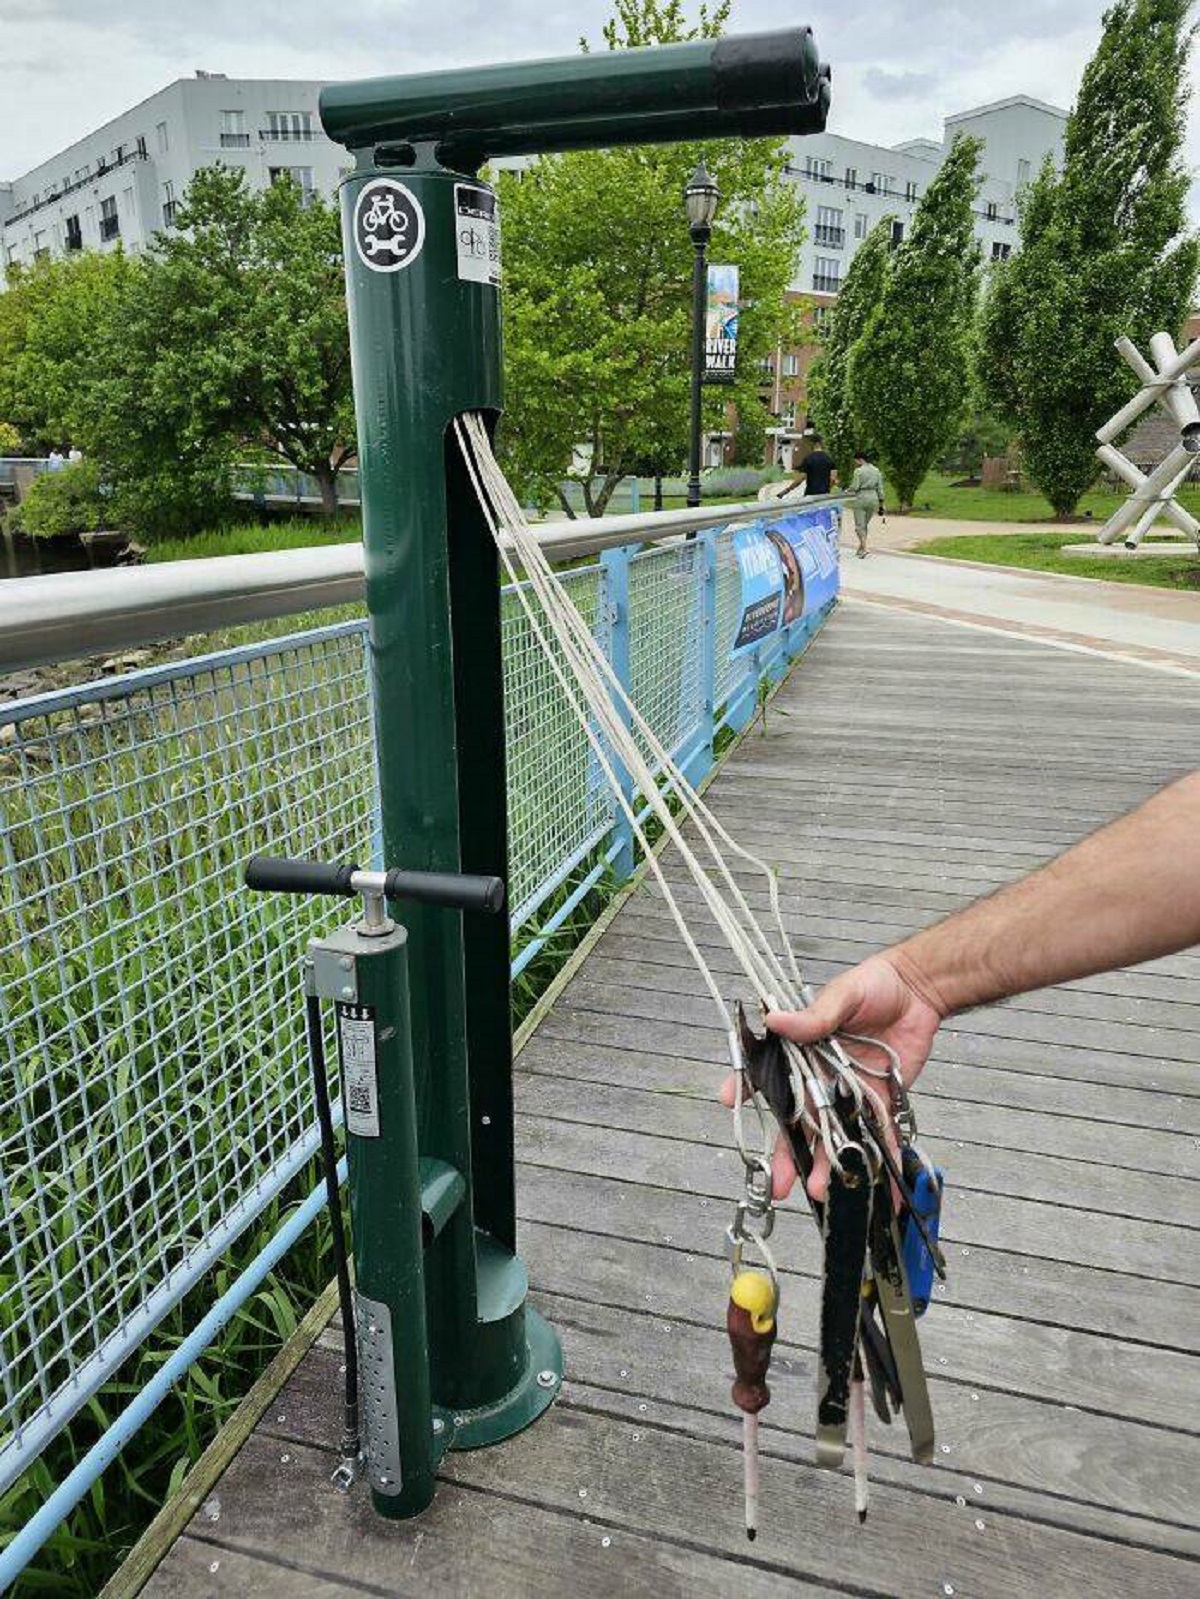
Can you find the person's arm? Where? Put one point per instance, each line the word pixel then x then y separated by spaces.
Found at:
pixel 1129 893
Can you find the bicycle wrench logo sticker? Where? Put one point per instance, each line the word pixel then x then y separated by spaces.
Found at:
pixel 389 226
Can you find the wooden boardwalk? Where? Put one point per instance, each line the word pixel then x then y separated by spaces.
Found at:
pixel 909 766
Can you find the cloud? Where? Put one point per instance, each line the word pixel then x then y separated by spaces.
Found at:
pixel 899 85
pixel 899 69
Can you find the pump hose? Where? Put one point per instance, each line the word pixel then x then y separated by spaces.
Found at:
pixel 316 1054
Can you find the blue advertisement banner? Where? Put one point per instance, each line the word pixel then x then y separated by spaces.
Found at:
pixel 788 570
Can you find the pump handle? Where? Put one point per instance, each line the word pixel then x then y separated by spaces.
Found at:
pixel 457 891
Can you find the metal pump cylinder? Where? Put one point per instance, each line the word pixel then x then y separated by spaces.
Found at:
pixel 760 83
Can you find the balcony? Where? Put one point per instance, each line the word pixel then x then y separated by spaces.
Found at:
pixel 823 283
pixel 235 141
pixel 110 228
pixel 829 238
pixel 288 135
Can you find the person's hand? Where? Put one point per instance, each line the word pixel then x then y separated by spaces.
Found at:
pixel 874 998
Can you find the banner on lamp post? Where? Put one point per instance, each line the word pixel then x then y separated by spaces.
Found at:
pixel 721 325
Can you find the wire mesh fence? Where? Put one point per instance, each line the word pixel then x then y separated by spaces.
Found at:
pixel 156 1095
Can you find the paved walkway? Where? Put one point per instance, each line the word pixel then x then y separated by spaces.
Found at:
pixel 1154 626
pixel 908 766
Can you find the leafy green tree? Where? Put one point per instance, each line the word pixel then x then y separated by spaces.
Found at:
pixel 910 369
pixel 829 379
pixel 1105 251
pixel 10 439
pixel 232 335
pixel 598 270
pixel 61 503
pixel 52 318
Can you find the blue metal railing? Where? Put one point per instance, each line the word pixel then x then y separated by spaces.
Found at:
pixel 160 1097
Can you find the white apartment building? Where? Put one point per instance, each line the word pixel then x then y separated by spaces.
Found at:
pixel 850 185
pixel 124 182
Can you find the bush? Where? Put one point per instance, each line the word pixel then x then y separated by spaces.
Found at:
pixel 741 480
pixel 10 439
pixel 61 503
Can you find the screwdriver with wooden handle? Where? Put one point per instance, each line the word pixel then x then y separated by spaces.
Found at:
pixel 750 1322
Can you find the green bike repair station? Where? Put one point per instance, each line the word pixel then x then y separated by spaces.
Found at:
pixel 451 1355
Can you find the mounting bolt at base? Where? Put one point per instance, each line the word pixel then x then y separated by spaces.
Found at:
pixel 547 1379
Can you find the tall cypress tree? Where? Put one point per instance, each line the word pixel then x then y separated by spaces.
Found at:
pixel 910 369
pixel 829 380
pixel 1104 251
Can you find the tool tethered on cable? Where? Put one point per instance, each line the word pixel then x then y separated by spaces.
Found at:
pixel 816 1094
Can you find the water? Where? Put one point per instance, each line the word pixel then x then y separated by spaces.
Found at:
pixel 26 557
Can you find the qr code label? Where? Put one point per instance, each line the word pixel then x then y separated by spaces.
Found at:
pixel 477 220
pixel 356 1039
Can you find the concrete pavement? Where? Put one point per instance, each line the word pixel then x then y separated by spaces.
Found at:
pixel 1157 627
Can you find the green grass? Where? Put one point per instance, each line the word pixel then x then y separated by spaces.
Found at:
pixel 938 497
pixel 1041 552
pixel 254 538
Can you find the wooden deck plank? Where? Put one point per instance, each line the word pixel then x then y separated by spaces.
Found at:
pixel 946 1085
pixel 991 1275
pixel 894 784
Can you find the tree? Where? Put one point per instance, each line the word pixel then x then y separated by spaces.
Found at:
pixel 52 317
pixel 910 369
pixel 829 379
pixel 598 291
pixel 1104 251
pixel 232 334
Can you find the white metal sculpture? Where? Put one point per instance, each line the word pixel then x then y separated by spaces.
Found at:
pixel 1165 383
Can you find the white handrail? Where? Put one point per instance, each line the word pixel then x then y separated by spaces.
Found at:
pixel 68 615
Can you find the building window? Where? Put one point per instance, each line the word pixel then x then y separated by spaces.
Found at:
pixel 791 365
pixel 882 182
pixel 1022 173
pixel 110 225
pixel 829 233
pixel 141 147
pixel 787 415
pixel 820 171
pixel 860 224
pixel 897 234
pixel 820 317
pixel 40 248
pixel 170 205
pixel 289 126
pixel 1001 252
pixel 301 176
pixel 74 233
pixel 233 130
pixel 827 274
pixel 993 210
pixel 127 200
pixel 852 177
pixel 910 189
pixel 160 136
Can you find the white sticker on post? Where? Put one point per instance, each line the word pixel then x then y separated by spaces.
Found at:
pixel 477 221
pixel 356 1039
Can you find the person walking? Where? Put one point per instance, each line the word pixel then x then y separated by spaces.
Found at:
pixel 818 469
pixel 866 491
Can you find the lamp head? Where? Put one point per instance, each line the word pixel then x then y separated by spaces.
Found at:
pixel 700 197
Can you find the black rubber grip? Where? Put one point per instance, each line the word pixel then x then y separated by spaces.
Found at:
pixel 458 891
pixel 298 877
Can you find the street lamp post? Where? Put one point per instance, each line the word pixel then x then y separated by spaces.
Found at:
pixel 700 198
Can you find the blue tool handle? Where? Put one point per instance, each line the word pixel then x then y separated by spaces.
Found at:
pixel 918 1262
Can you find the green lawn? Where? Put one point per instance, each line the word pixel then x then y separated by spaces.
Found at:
pixel 253 538
pixel 1042 552
pixel 939 497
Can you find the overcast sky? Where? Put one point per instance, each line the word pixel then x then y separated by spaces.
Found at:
pixel 899 66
